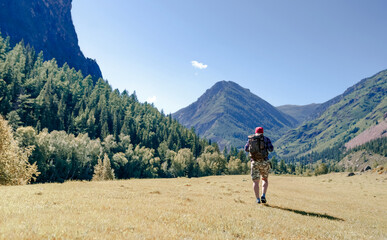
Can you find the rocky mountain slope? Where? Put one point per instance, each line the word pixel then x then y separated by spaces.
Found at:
pixel 227 113
pixel 360 107
pixel 47 26
pixel 377 131
pixel 359 160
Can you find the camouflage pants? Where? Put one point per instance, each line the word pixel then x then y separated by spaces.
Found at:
pixel 260 168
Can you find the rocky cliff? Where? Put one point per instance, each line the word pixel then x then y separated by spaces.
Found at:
pixel 47 26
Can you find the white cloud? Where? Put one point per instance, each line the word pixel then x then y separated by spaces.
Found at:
pixel 151 99
pixel 199 65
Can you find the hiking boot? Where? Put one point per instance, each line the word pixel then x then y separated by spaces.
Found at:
pixel 258 201
pixel 263 199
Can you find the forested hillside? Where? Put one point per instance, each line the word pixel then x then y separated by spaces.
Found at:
pixel 360 107
pixel 71 123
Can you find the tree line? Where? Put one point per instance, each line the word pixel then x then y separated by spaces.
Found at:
pixel 58 156
pixel 331 156
pixel 71 122
pixel 61 125
pixel 378 146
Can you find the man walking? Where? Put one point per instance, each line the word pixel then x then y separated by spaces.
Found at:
pixel 258 147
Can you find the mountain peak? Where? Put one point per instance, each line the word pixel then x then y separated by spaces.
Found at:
pixel 227 113
pixel 225 83
pixel 228 85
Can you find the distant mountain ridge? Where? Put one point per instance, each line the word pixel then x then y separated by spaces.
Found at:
pixel 301 112
pixel 340 119
pixel 47 26
pixel 227 113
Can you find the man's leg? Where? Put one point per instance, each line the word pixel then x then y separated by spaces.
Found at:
pixel 256 187
pixel 264 171
pixel 265 184
pixel 255 177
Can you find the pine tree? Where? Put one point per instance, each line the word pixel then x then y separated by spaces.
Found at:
pixel 14 166
pixel 14 120
pixel 98 171
pixel 282 166
pixel 108 172
pixel 103 170
pixel 274 163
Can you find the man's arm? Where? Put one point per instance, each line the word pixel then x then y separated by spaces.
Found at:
pixel 247 146
pixel 270 147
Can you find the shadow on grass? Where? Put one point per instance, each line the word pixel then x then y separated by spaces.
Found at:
pixel 312 214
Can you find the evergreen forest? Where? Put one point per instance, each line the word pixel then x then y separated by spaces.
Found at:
pixel 71 123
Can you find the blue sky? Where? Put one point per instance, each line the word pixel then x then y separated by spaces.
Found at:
pixel 286 52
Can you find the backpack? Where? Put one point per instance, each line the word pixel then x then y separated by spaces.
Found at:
pixel 257 147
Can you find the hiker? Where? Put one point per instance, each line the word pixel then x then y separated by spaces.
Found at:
pixel 258 147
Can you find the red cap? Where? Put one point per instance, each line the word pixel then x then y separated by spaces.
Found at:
pixel 259 130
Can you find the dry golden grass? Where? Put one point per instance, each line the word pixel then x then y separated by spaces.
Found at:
pixel 223 207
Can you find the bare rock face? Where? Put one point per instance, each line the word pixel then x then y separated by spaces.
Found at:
pixel 374 132
pixel 47 26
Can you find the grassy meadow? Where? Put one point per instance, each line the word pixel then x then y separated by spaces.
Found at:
pixel 331 206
